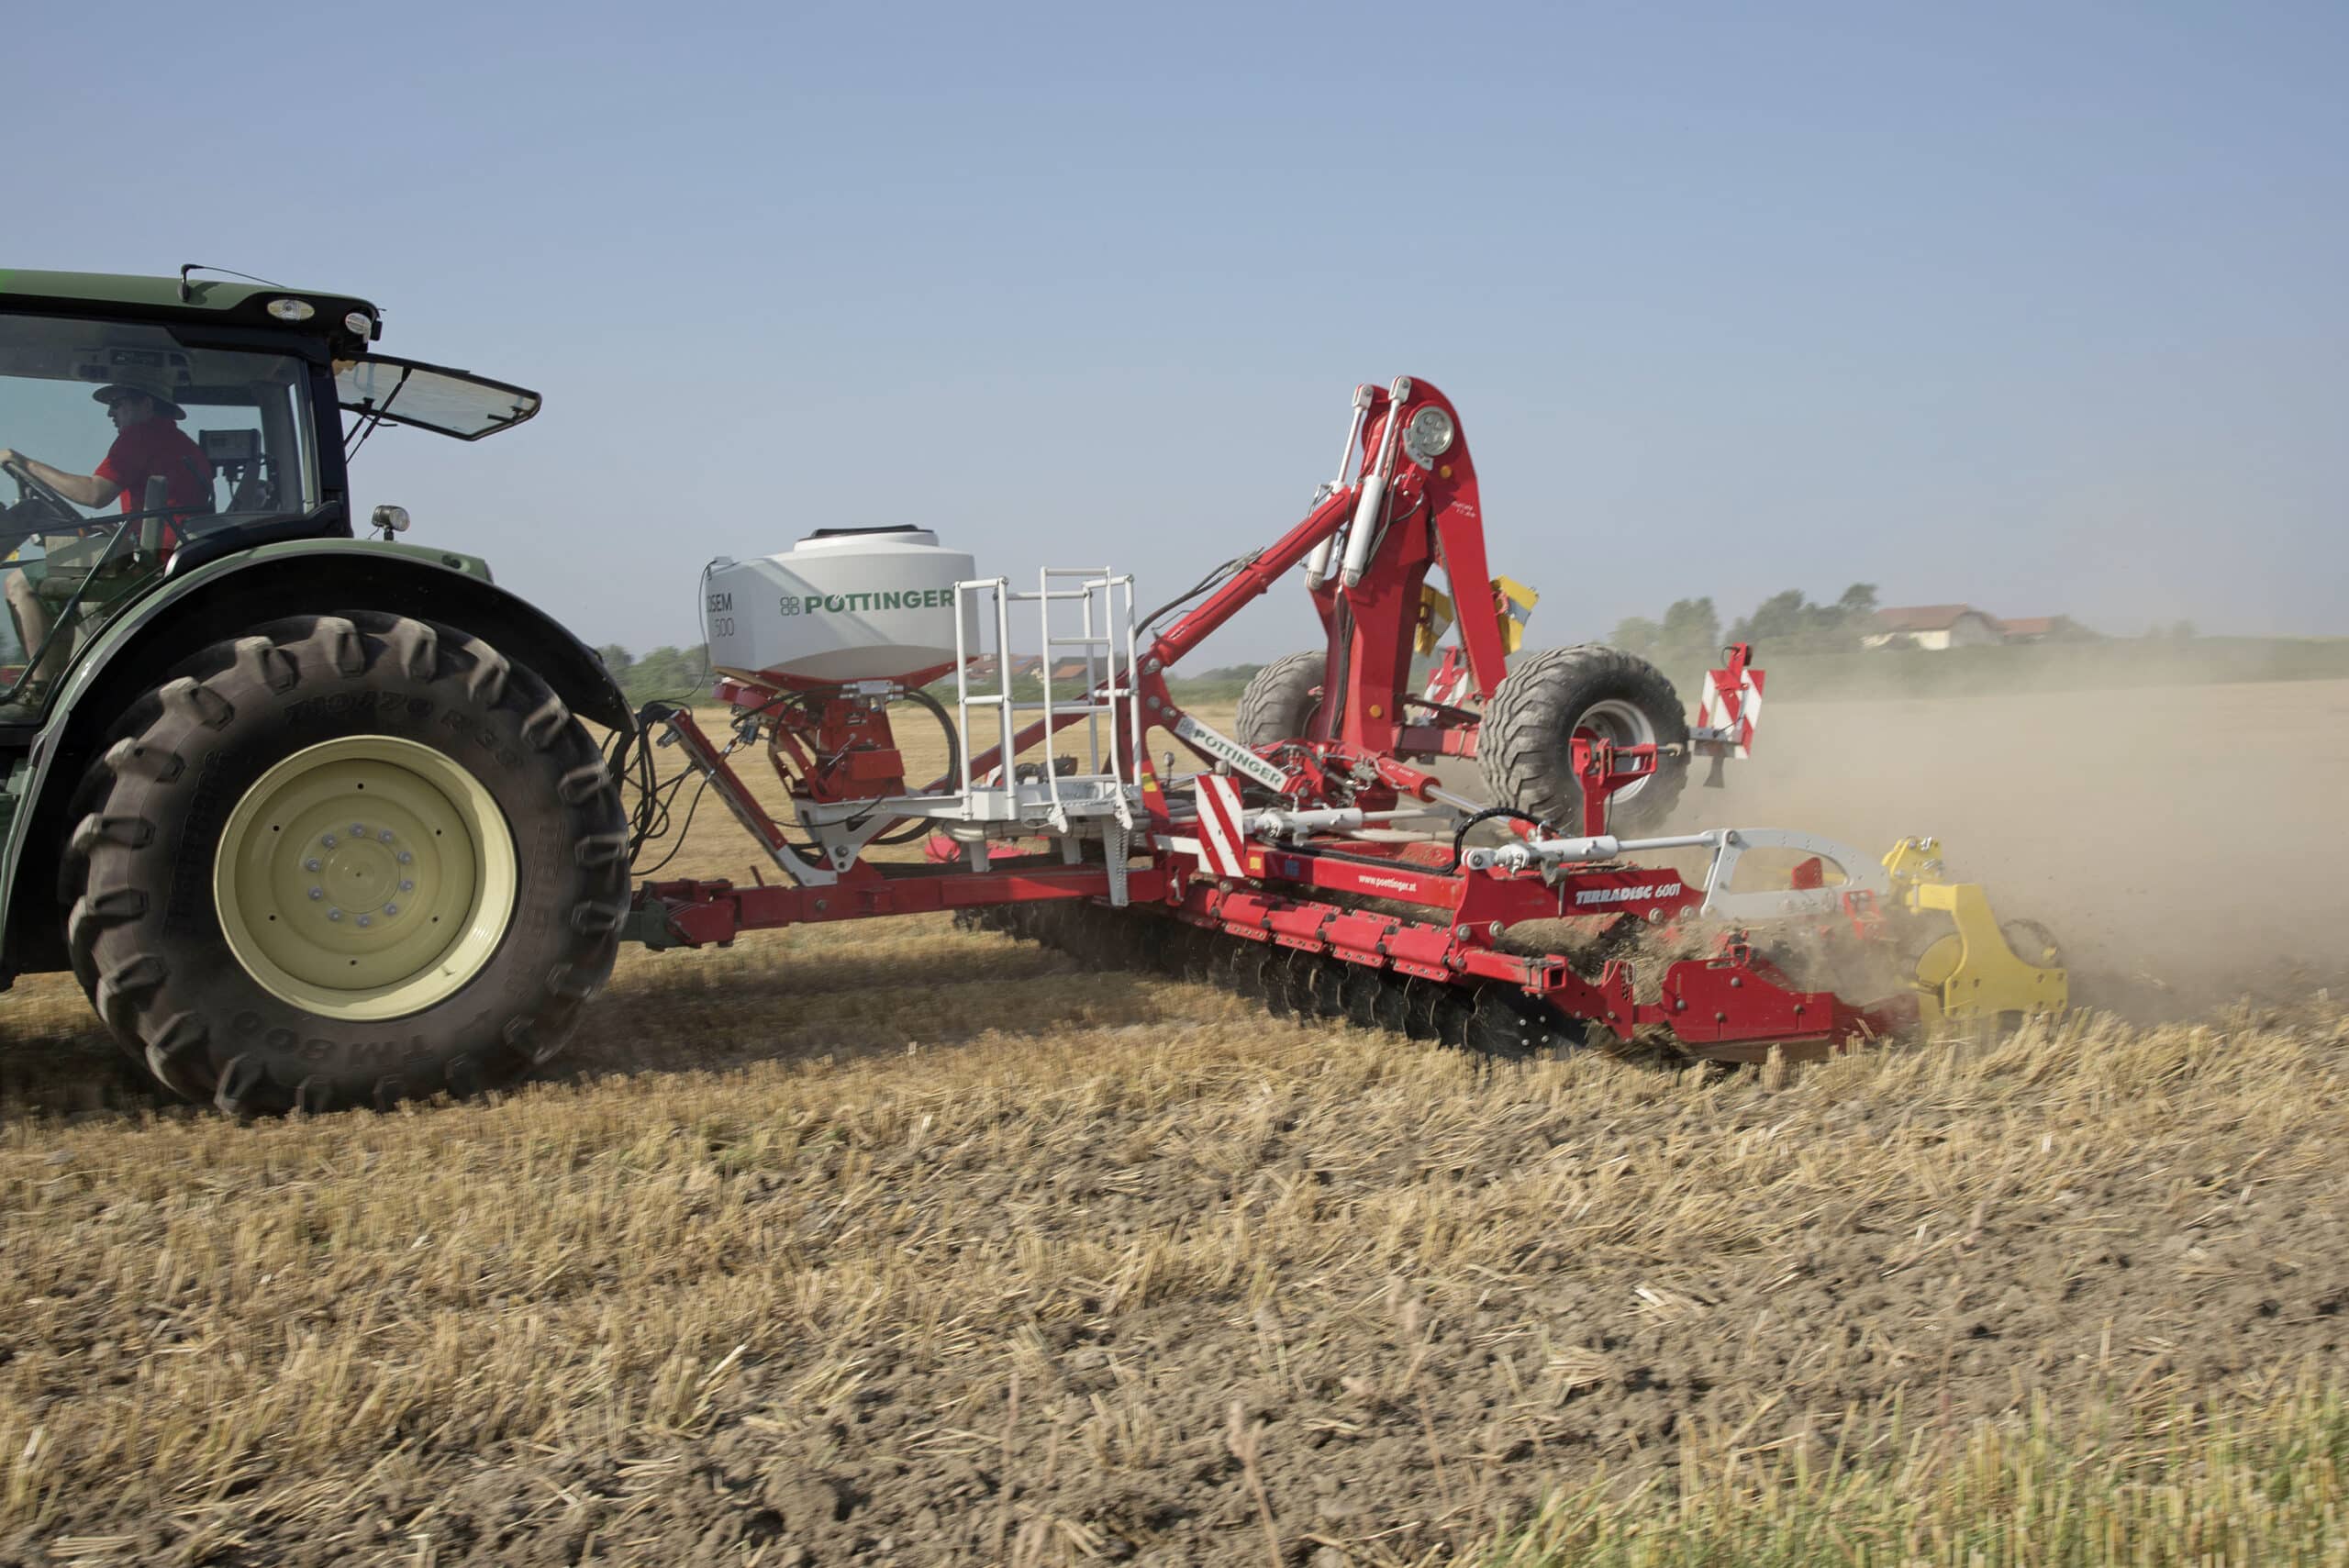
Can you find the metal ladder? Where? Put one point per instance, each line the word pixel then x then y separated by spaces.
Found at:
pixel 1105 616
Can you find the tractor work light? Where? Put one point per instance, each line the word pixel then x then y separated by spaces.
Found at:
pixel 1428 434
pixel 358 324
pixel 292 309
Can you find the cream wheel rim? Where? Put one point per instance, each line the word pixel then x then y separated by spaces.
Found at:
pixel 367 877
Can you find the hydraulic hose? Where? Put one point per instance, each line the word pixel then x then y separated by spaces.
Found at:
pixel 1459 835
pixel 916 826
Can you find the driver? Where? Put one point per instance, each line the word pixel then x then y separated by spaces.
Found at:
pixel 148 443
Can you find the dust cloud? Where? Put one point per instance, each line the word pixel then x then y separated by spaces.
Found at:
pixel 2183 843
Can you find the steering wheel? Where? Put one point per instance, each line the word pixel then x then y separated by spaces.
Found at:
pixel 31 489
pixel 39 508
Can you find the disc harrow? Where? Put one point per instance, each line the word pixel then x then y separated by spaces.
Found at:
pixel 1323 863
pixel 1488 1017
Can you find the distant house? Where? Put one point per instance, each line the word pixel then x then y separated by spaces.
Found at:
pixel 1934 627
pixel 1084 672
pixel 2045 629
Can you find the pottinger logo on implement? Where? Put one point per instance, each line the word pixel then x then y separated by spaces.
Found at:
pixel 1627 895
pixel 841 604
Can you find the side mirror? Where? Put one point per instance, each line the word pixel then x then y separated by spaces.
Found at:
pixel 391 519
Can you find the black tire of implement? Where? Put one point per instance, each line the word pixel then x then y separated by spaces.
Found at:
pixel 1525 750
pixel 144 933
pixel 1279 703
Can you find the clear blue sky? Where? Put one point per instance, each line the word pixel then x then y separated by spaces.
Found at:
pixel 2037 307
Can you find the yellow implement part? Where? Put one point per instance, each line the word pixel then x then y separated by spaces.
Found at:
pixel 1512 607
pixel 1435 614
pixel 1513 603
pixel 1972 972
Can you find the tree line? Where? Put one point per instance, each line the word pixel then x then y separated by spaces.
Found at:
pixel 679 674
pixel 1689 637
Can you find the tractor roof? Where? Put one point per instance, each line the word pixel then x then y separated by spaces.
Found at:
pixel 195 298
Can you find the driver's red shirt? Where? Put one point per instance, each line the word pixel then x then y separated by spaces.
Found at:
pixel 153 447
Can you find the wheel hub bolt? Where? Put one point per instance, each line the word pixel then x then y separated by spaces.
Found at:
pixel 366 920
pixel 391 908
pixel 359 830
pixel 310 865
pixel 385 835
pixel 334 914
pixel 317 893
pixel 407 886
pixel 405 856
pixel 327 840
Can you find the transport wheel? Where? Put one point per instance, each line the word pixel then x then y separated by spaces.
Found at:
pixel 1526 747
pixel 346 862
pixel 1280 700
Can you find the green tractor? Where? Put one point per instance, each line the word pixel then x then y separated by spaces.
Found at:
pixel 314 818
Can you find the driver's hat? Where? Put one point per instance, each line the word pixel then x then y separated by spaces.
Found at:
pixel 153 388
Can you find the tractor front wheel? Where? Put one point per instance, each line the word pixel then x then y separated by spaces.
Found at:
pixel 346 862
pixel 1526 747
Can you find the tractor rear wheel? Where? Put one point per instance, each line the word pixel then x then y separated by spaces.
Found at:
pixel 1281 700
pixel 1525 748
pixel 346 862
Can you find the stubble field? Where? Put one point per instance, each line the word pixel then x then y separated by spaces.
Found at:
pixel 892 1244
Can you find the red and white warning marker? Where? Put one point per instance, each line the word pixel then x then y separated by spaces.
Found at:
pixel 1448 682
pixel 1732 703
pixel 1223 832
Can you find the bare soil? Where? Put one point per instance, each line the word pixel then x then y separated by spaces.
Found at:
pixel 888 1243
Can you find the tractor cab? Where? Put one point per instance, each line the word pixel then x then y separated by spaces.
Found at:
pixel 374 852
pixel 150 424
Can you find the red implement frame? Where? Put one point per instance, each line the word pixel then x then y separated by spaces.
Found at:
pixel 1330 894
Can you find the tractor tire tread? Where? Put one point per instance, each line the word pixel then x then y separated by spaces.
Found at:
pixel 113 850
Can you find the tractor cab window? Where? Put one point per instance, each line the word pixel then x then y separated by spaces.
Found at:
pixel 246 419
pixel 119 443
